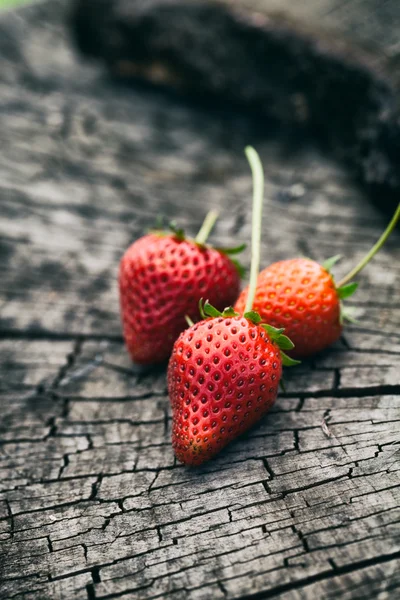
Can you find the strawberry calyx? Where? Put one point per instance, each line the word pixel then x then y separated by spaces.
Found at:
pixel 283 343
pixel 331 262
pixel 207 310
pixel 347 314
pixel 230 251
pixel 276 335
pixel 178 233
pixel 171 229
pixel 344 291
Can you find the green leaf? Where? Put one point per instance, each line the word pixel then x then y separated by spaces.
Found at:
pixel 229 311
pixel 287 361
pixel 201 309
pixel 273 332
pixel 253 316
pixel 330 262
pixel 210 310
pixel 162 231
pixel 276 335
pixel 178 231
pixel 284 343
pixel 347 290
pixel 347 314
pixel 235 250
pixel 239 267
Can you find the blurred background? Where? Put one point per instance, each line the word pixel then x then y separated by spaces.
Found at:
pixel 9 3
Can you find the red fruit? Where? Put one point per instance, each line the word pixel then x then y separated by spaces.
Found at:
pixel 161 279
pixel 300 295
pixel 223 376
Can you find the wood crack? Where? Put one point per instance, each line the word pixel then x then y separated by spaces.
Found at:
pixel 93 503
pixel 303 583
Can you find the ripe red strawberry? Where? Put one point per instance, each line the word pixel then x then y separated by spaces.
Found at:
pixel 300 295
pixel 223 376
pixel 161 279
pixel 224 372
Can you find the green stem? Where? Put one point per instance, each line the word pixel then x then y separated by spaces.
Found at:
pixel 258 194
pixel 373 250
pixel 206 228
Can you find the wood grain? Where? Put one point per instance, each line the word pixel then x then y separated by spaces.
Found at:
pixel 92 502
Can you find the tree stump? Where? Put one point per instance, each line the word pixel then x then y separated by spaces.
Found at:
pixel 92 501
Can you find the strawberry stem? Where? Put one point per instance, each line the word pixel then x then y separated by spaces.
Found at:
pixel 373 250
pixel 206 228
pixel 258 194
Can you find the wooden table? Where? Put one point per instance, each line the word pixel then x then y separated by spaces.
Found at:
pixel 92 502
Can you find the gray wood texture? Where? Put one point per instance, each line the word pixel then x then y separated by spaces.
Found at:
pixel 92 502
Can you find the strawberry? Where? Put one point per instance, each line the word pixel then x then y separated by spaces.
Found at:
pixel 223 376
pixel 161 279
pixel 299 295
pixel 224 372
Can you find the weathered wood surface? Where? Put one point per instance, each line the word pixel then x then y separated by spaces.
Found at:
pixel 92 502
